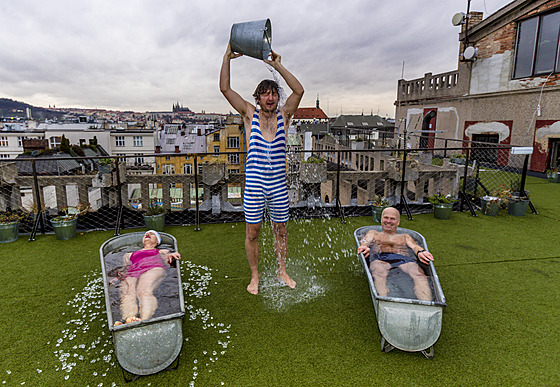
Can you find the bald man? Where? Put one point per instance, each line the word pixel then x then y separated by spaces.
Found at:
pixel 390 251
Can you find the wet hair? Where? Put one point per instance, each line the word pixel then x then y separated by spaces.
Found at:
pixel 264 86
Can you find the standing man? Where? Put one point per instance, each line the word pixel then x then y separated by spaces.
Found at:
pixel 265 181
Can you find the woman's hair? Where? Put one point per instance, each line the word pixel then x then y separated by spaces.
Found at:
pixel 264 86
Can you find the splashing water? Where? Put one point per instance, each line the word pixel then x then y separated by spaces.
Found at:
pixel 307 268
pixel 282 97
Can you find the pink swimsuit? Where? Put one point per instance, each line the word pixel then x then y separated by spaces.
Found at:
pixel 143 260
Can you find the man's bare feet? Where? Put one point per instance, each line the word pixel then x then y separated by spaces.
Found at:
pixel 117 323
pixel 132 319
pixel 285 278
pixel 253 287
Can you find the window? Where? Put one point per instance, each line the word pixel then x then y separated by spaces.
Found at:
pixel 3 141
pixel 138 159
pixel 236 170
pixel 119 141
pixel 138 141
pixel 217 136
pixel 168 169
pixel 216 149
pixel 200 169
pixel 20 142
pixel 233 158
pixel 4 156
pixel 170 141
pixel 233 142
pixel 537 46
pixel 54 142
pixel 187 169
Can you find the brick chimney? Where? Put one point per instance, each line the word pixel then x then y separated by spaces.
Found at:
pixel 473 19
pixel 158 148
pixel 31 144
pixel 177 149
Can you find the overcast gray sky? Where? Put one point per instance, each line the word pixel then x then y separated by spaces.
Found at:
pixel 144 55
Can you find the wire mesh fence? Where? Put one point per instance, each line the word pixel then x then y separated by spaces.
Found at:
pixel 194 189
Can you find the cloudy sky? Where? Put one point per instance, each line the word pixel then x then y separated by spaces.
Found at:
pixel 144 55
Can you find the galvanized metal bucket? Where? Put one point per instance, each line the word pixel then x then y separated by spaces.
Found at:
pixel 252 38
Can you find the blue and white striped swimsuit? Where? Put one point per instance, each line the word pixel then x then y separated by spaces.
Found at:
pixel 265 174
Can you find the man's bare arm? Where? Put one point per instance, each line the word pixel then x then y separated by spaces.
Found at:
pixel 423 255
pixel 234 99
pixel 365 242
pixel 295 97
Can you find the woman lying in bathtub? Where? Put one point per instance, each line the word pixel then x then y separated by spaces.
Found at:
pixel 145 272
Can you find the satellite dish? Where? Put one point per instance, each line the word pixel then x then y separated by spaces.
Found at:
pixel 458 18
pixel 471 53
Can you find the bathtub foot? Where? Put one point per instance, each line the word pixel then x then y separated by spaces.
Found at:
pixel 429 353
pixel 385 346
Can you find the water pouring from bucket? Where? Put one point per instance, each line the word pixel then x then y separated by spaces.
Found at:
pixel 252 38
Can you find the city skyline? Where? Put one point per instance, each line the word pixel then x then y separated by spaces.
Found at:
pixel 132 56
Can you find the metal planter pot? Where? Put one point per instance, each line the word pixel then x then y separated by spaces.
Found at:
pixel 377 211
pixel 9 232
pixel 443 211
pixel 490 205
pixel 65 229
pixel 518 208
pixel 155 222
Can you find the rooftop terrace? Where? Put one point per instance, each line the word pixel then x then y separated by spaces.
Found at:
pixel 499 275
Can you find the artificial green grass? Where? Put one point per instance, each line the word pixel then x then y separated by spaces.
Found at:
pixel 500 277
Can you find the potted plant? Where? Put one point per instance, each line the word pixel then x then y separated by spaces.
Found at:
pixel 491 205
pixel 552 175
pixel 516 205
pixel 155 217
pixel 65 225
pixel 104 165
pixel 377 207
pixel 9 226
pixel 443 205
pixel 313 170
pixel 458 158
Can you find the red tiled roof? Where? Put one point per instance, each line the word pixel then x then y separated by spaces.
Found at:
pixel 310 113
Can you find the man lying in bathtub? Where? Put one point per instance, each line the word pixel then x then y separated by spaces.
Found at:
pixel 145 271
pixel 390 250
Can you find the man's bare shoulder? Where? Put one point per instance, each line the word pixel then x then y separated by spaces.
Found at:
pixel 373 234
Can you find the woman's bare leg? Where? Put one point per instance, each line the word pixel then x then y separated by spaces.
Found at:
pixel 129 307
pixel 147 283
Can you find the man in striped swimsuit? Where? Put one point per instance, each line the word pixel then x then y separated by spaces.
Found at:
pixel 265 129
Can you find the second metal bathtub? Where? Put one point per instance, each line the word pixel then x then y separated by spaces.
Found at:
pixel 405 322
pixel 144 347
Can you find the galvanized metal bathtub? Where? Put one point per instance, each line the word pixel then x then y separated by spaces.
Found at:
pixel 144 347
pixel 405 322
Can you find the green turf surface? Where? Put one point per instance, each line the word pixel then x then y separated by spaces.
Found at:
pixel 500 277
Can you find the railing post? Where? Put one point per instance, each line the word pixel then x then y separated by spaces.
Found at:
pixel 463 192
pixel 338 205
pixel 197 212
pixel 39 217
pixel 522 185
pixel 119 224
pixel 402 201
